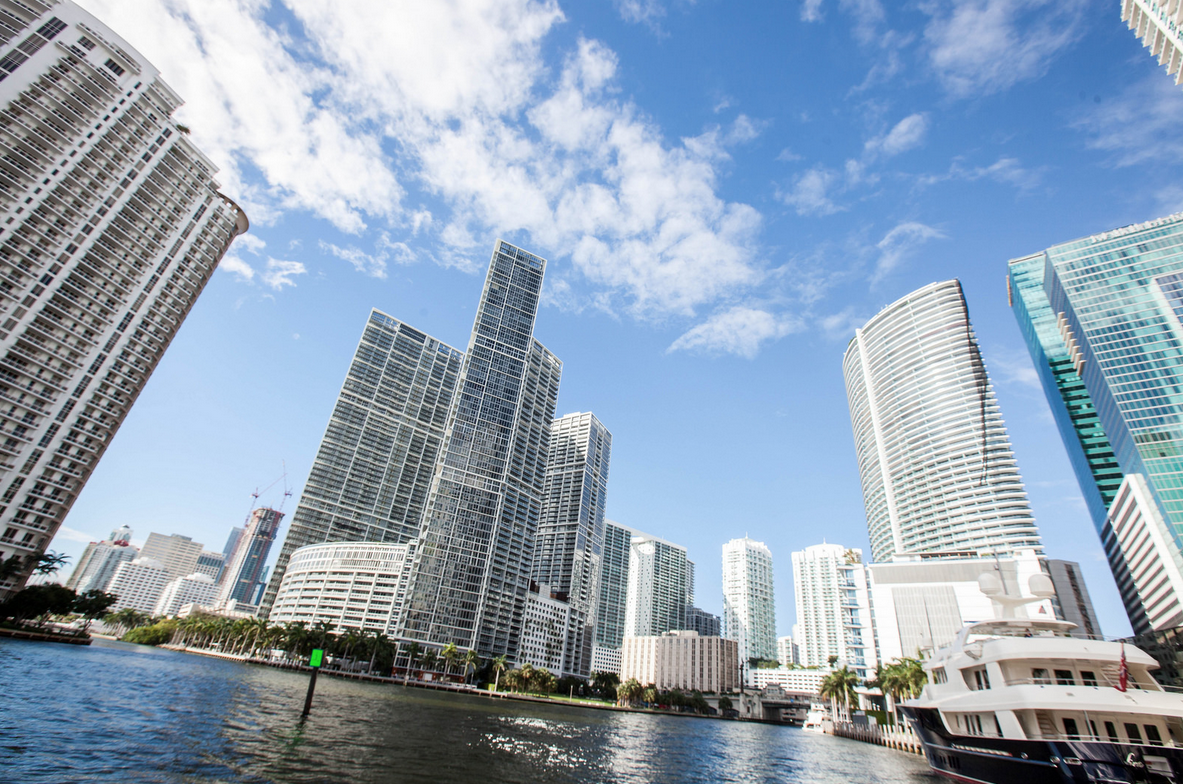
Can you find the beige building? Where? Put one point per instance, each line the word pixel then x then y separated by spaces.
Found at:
pixel 178 553
pixel 682 660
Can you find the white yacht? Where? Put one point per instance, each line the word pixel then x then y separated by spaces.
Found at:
pixel 818 713
pixel 1019 700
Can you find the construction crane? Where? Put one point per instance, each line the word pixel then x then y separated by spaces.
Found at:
pixel 286 492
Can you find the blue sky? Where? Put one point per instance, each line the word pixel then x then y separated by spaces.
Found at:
pixel 723 192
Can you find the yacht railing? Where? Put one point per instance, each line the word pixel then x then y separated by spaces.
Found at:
pixel 1100 682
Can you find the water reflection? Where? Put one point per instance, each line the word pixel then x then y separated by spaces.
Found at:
pixel 120 713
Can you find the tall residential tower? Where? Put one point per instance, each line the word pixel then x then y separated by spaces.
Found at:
pixel 110 226
pixel 749 609
pixel 660 587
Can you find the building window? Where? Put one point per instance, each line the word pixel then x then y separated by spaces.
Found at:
pixel 115 67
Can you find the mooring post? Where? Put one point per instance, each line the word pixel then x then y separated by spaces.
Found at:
pixel 314 661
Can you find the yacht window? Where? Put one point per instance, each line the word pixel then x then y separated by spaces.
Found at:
pixel 1093 729
pixel 1064 678
pixel 1089 677
pixel 982 679
pixel 997 726
pixel 1111 731
pixel 1039 675
pixel 939 676
pixel 1070 729
pixel 1152 735
pixel 1131 731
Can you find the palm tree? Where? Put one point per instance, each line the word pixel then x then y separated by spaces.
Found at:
pixel 499 665
pixel 838 688
pixel 629 691
pixel 428 658
pixel 471 660
pixel 451 655
pixel 527 671
pixel 649 695
pixel 413 652
pixel 379 642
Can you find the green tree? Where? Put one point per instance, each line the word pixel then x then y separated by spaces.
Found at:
pixel 414 650
pixel 156 634
pixel 724 703
pixel 649 695
pixel 92 605
pixel 499 665
pixel 630 691
pixel 471 662
pixel 451 656
pixel 838 687
pixel 38 602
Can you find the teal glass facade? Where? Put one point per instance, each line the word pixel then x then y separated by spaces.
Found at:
pixel 1101 317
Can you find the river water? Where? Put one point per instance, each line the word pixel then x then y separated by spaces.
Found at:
pixel 114 712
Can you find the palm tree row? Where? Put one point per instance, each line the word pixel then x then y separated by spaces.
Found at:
pixel 900 680
pixel 528 678
pixel 839 688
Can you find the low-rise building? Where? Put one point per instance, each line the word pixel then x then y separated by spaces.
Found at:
pixel 682 660
pixel 137 584
pixel 605 660
pixel 544 630
pixel 210 564
pixel 795 680
pixel 787 652
pixel 351 585
pixel 197 589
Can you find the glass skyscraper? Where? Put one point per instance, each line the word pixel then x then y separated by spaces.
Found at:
pixel 471 568
pixel 372 472
pixel 937 470
pixel 1101 317
pixel 570 538
pixel 610 612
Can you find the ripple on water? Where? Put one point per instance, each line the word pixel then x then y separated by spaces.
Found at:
pixel 120 713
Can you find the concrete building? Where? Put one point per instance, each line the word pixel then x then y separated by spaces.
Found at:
pixel 612 608
pixel 786 651
pixel 705 623
pixel 1072 599
pixel 1101 318
pixel 99 561
pixel 922 603
pixel 111 224
pixel 834 608
pixel 570 541
pixel 246 570
pixel 138 584
pixel 471 565
pixel 1159 25
pixel 937 469
pixel 659 587
pixel 350 585
pixel 198 589
pixel 211 564
pixel 749 611
pixel 372 473
pixel 178 553
pixel 798 681
pixel 545 627
pixel 606 660
pixel 682 660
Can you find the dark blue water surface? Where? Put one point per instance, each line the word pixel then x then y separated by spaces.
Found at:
pixel 114 712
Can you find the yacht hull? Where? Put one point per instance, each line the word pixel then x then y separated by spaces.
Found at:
pixel 991 760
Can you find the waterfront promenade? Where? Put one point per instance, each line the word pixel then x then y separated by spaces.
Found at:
pixel 113 712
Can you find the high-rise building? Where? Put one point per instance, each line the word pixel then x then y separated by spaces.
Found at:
pixel 749 609
pixel 372 473
pixel 98 563
pixel 610 613
pixel 786 651
pixel 1101 318
pixel 198 589
pixel 471 568
pixel 659 587
pixel 937 470
pixel 244 573
pixel 231 543
pixel 178 553
pixel 570 540
pixel 1159 25
pixel 137 584
pixel 1072 598
pixel 111 224
pixel 705 623
pixel 210 564
pixel 834 609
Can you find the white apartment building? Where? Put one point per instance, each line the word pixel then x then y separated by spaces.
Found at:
pixel 786 651
pixel 1159 24
pixel 660 587
pixel 352 585
pixel 178 553
pixel 98 563
pixel 210 563
pixel 938 473
pixel 111 224
pixel 544 631
pixel 682 660
pixel 197 589
pixel 834 609
pixel 138 585
pixel 798 681
pixel 749 609
pixel 1152 574
pixel 606 659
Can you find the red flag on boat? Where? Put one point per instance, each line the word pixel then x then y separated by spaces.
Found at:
pixel 1123 674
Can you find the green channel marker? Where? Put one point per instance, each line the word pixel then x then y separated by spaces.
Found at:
pixel 316 658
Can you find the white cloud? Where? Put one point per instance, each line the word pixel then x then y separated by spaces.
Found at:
pixel 641 11
pixel 811 10
pixel 280 273
pixel 1013 367
pixel 788 156
pixel 740 330
pixel 898 244
pixel 907 134
pixel 373 264
pixel 232 263
pixel 1141 124
pixel 810 194
pixel 983 46
pixel 841 325
pixel 74 535
pixel 1006 170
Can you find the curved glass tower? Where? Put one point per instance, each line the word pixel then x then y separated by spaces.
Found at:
pixel 937 469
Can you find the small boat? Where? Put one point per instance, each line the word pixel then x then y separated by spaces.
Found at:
pixel 818 713
pixel 1020 700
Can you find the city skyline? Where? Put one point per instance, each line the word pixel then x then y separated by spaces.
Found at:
pixel 969 141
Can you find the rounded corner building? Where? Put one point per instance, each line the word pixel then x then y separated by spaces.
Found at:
pixel 938 473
